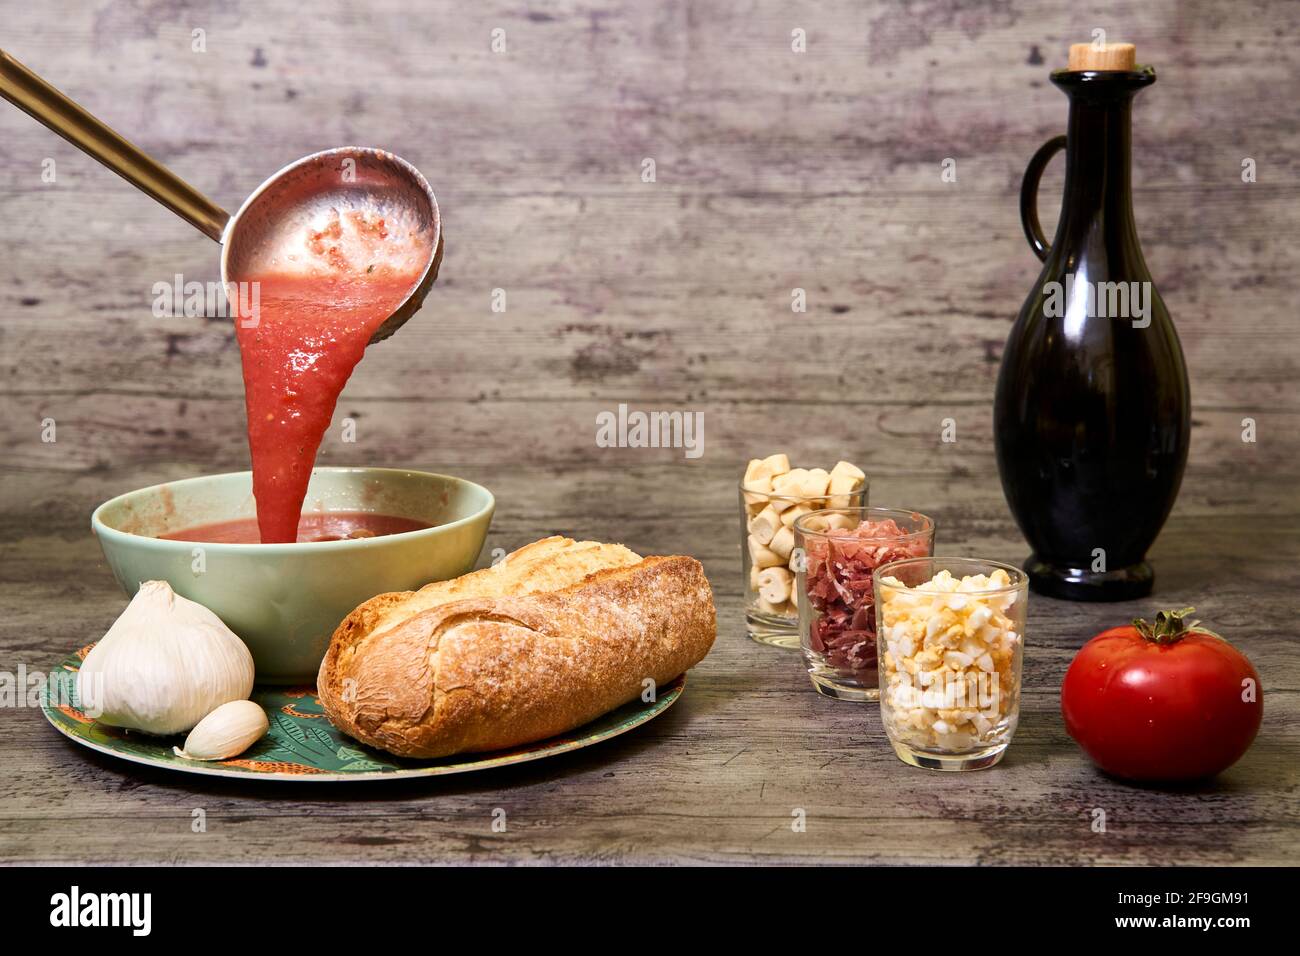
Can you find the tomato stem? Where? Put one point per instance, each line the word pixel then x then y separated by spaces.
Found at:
pixel 1170 627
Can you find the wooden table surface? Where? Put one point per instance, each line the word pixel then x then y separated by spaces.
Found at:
pixel 774 171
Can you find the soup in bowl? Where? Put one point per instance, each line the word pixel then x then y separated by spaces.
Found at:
pixel 363 531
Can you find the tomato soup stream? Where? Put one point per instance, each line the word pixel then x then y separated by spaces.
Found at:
pixel 298 349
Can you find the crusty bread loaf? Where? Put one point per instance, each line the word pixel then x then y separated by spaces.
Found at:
pixel 553 636
pixel 546 565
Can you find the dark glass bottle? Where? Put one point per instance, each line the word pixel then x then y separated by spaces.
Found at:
pixel 1092 413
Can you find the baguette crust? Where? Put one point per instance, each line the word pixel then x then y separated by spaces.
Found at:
pixel 490 672
pixel 545 565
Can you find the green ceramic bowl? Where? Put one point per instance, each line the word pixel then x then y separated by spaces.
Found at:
pixel 285 600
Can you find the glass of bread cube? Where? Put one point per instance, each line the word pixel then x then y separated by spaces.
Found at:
pixel 772 496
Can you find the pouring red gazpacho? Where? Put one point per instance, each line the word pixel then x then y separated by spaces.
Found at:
pixel 299 341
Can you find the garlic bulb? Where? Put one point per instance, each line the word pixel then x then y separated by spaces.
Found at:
pixel 226 732
pixel 164 665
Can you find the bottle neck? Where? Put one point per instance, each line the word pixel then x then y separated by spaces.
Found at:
pixel 1098 204
pixel 1098 190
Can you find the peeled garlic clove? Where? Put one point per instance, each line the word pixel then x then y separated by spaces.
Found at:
pixel 226 732
pixel 165 664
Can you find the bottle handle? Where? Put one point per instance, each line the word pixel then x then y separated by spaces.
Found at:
pixel 1029 195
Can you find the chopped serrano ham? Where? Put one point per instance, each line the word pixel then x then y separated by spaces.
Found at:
pixel 840 563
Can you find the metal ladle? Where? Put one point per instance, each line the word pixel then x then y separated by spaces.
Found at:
pixel 269 226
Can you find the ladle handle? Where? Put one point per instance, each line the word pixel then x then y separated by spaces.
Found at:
pixel 27 91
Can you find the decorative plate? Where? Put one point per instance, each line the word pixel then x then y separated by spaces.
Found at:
pixel 303 745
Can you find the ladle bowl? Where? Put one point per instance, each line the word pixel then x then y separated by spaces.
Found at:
pixel 267 233
pixel 275 219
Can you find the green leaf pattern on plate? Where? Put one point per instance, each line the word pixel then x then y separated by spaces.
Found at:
pixel 303 745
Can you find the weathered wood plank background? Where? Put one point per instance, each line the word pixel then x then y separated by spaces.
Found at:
pixel 775 170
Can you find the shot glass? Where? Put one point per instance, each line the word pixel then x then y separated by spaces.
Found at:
pixel 951 646
pixel 836 550
pixel 767 543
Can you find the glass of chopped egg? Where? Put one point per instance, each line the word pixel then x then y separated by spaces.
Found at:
pixel 950 640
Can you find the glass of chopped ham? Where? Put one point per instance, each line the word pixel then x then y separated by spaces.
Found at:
pixel 837 550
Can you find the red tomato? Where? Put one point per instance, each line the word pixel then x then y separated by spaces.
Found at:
pixel 1169 701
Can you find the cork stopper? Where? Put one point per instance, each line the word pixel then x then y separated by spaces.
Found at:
pixel 1109 56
